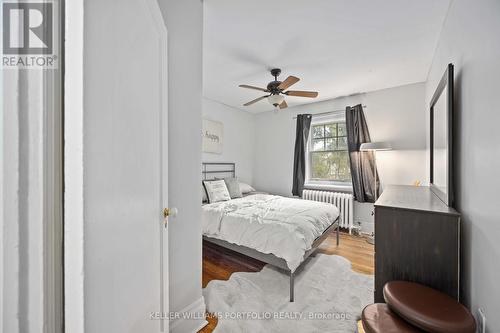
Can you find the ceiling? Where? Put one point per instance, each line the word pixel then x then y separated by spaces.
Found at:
pixel 336 47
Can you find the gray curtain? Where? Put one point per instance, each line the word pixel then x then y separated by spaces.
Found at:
pixel 363 168
pixel 299 160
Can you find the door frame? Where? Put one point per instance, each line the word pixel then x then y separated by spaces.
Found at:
pixel 74 270
pixel 73 168
pixel 53 186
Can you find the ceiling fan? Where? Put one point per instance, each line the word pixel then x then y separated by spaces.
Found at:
pixel 276 90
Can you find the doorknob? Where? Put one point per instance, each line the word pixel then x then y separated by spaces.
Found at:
pixel 167 212
pixel 170 212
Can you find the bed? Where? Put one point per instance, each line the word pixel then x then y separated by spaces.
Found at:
pixel 277 230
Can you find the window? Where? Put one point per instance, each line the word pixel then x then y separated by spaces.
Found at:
pixel 328 155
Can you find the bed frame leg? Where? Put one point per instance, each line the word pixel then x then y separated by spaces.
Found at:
pixel 291 286
pixel 338 234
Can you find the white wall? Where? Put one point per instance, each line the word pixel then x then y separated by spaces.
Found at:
pixel 396 115
pixel 28 105
pixel 184 20
pixel 22 206
pixel 239 135
pixel 470 40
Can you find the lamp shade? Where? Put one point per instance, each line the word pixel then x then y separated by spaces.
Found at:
pixel 275 99
pixel 375 146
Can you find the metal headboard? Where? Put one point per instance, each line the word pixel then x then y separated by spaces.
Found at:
pixel 211 170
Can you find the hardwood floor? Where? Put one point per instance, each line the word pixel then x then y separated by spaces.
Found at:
pixel 356 249
pixel 220 263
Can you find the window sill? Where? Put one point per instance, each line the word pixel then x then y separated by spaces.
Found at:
pixel 328 187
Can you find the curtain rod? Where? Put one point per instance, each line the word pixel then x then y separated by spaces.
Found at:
pixel 326 113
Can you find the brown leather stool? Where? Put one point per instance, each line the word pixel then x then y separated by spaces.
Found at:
pixel 378 318
pixel 427 308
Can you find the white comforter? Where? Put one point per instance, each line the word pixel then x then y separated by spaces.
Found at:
pixel 282 226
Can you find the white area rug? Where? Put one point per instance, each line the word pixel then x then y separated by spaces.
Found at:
pixel 329 297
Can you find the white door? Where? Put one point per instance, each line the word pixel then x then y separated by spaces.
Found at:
pixel 125 287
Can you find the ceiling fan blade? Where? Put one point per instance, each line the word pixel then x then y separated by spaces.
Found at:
pixel 283 105
pixel 288 82
pixel 300 93
pixel 252 87
pixel 255 100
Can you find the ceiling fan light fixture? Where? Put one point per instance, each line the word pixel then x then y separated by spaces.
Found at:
pixel 276 88
pixel 276 99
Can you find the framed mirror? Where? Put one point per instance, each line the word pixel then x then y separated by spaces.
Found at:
pixel 441 140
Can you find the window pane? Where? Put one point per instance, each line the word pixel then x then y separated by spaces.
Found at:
pixel 318 145
pixel 330 130
pixel 342 129
pixel 329 156
pixel 331 144
pixel 343 166
pixel 342 143
pixel 317 131
pixel 320 165
pixel 331 166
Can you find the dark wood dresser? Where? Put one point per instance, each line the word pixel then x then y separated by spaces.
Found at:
pixel 417 238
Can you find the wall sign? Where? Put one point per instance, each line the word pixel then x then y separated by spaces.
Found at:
pixel 212 134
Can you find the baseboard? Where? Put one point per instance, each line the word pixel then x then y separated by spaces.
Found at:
pixel 190 325
pixel 367 227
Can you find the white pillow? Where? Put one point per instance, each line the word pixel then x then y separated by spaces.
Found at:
pixel 245 188
pixel 216 191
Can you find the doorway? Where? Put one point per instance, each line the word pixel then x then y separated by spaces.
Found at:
pixel 116 177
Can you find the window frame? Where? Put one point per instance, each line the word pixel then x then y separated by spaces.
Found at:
pixel 312 183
